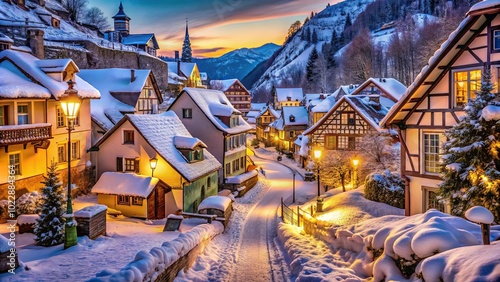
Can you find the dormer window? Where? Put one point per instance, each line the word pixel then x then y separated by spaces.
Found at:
pixel 289 98
pixel 292 118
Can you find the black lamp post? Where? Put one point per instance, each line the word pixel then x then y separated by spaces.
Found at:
pixel 70 103
pixel 152 163
pixel 317 156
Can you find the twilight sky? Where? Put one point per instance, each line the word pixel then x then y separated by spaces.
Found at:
pixel 215 26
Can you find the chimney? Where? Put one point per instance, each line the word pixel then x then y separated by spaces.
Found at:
pixel 321 96
pixel 176 56
pixel 132 76
pixel 35 42
pixel 375 101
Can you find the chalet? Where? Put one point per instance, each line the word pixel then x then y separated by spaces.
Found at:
pixel 209 116
pixel 123 91
pixel 237 94
pixel 188 71
pixel 287 97
pixel 291 123
pixel 121 33
pixel 33 128
pixel 253 112
pixel 388 88
pixel 320 109
pixel 435 101
pixel 156 167
pixel 267 116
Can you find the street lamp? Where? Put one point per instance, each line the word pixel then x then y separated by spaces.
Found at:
pixel 152 163
pixel 355 163
pixel 317 156
pixel 293 194
pixel 70 103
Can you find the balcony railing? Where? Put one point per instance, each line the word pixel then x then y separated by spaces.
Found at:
pixel 19 134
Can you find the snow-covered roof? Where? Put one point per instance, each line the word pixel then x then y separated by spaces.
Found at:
pixel 108 110
pixel 186 68
pixel 271 110
pixel 214 103
pixel 5 38
pixel 257 106
pixel 140 39
pixel 295 94
pixel 17 85
pixel 215 202
pixel 160 131
pixel 325 105
pixel 55 65
pixel 20 62
pixel 297 114
pixel 222 85
pixel 128 184
pixel 238 179
pixel 184 142
pixel 389 86
pixel 90 211
pixel 446 53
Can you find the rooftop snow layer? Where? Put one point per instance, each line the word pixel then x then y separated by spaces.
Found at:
pixel 295 94
pixel 129 184
pixel 215 202
pixel 183 142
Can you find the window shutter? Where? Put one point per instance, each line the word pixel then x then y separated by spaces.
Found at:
pixel 119 164
pixel 136 165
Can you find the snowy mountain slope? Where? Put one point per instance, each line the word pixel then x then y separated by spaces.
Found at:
pixel 295 53
pixel 237 63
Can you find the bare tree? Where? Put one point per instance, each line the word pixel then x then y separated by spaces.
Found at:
pixel 95 16
pixel 357 62
pixel 379 152
pixel 76 9
pixel 336 168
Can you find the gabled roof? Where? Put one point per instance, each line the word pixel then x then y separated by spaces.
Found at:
pixel 30 69
pixel 186 68
pixel 119 94
pixel 160 132
pixel 184 142
pixel 223 85
pixel 325 105
pixel 214 103
pixel 140 39
pixel 299 113
pixel 390 86
pixel 128 184
pixel 478 17
pixel 295 94
pixel 271 110
pixel 362 105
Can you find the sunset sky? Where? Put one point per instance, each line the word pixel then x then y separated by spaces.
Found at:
pixel 215 26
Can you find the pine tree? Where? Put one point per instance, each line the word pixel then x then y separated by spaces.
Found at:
pixel 49 229
pixel 334 42
pixel 314 38
pixel 311 72
pixel 187 53
pixel 308 35
pixel 470 166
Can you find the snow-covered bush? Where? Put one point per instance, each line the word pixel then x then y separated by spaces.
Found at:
pixel 29 203
pixel 385 188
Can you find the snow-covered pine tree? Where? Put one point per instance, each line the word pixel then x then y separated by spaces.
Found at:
pixel 314 36
pixel 311 72
pixel 49 228
pixel 187 53
pixel 468 167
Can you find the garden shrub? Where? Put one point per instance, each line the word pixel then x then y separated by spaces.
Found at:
pixel 385 188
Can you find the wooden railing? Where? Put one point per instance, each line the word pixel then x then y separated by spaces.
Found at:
pixel 19 134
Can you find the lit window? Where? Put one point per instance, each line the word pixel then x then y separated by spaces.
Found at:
pixel 15 163
pixel 187 113
pixel 466 84
pixel 129 164
pixel 343 142
pixel 123 200
pixel 128 137
pixel 3 114
pixel 22 114
pixel 137 201
pixel 75 150
pixel 61 153
pixel 431 152
pixel 496 40
pixel 60 117
pixel 330 142
pixel 430 199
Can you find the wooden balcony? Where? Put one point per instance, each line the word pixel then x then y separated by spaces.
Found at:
pixel 24 134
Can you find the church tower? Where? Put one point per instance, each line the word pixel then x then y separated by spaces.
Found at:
pixel 122 22
pixel 187 53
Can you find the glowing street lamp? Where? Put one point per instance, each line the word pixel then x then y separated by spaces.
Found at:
pixel 355 164
pixel 70 103
pixel 152 163
pixel 317 156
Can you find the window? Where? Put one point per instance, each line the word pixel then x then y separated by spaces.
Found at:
pixel 242 162
pixel 128 137
pixel 330 142
pixel 15 161
pixel 352 143
pixel 3 115
pixel 466 84
pixel 228 168
pixel 291 134
pixel 431 199
pixel 129 164
pixel 209 182
pixel 123 200
pixel 75 150
pixel 496 40
pixel 22 114
pixel 187 113
pixel 198 155
pixel 137 201
pixel 343 142
pixel 431 152
pixel 59 117
pixel 61 153
pixel 236 165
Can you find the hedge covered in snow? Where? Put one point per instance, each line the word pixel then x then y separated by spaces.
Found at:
pixel 386 188
pixel 147 266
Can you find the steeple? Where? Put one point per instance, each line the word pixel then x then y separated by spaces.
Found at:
pixel 187 53
pixel 122 21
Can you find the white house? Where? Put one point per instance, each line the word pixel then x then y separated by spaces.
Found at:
pixel 287 97
pixel 209 116
pixel 158 150
pixel 435 101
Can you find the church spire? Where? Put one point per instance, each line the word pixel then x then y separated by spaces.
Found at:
pixel 187 53
pixel 122 21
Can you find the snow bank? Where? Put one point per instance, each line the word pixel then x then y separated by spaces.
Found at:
pixel 215 202
pixel 148 266
pixel 27 219
pixel 4 244
pixel 479 214
pixel 242 177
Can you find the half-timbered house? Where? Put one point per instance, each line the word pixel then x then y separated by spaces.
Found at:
pixel 291 123
pixel 236 92
pixel 435 101
pixel 267 116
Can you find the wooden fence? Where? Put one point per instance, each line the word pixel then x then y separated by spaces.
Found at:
pixel 299 217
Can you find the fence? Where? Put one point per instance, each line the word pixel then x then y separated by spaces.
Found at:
pixel 300 218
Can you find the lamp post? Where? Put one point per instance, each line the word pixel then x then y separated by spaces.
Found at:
pixel 70 103
pixel 152 163
pixel 293 193
pixel 355 163
pixel 317 156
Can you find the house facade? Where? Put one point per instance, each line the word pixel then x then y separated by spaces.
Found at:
pixel 185 172
pixel 188 71
pixel 209 116
pixel 267 116
pixel 291 123
pixel 33 129
pixel 237 94
pixel 287 97
pixel 435 101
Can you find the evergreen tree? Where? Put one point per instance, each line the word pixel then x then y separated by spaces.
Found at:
pixel 49 228
pixel 348 21
pixel 314 38
pixel 308 35
pixel 334 42
pixel 470 166
pixel 187 53
pixel 311 71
